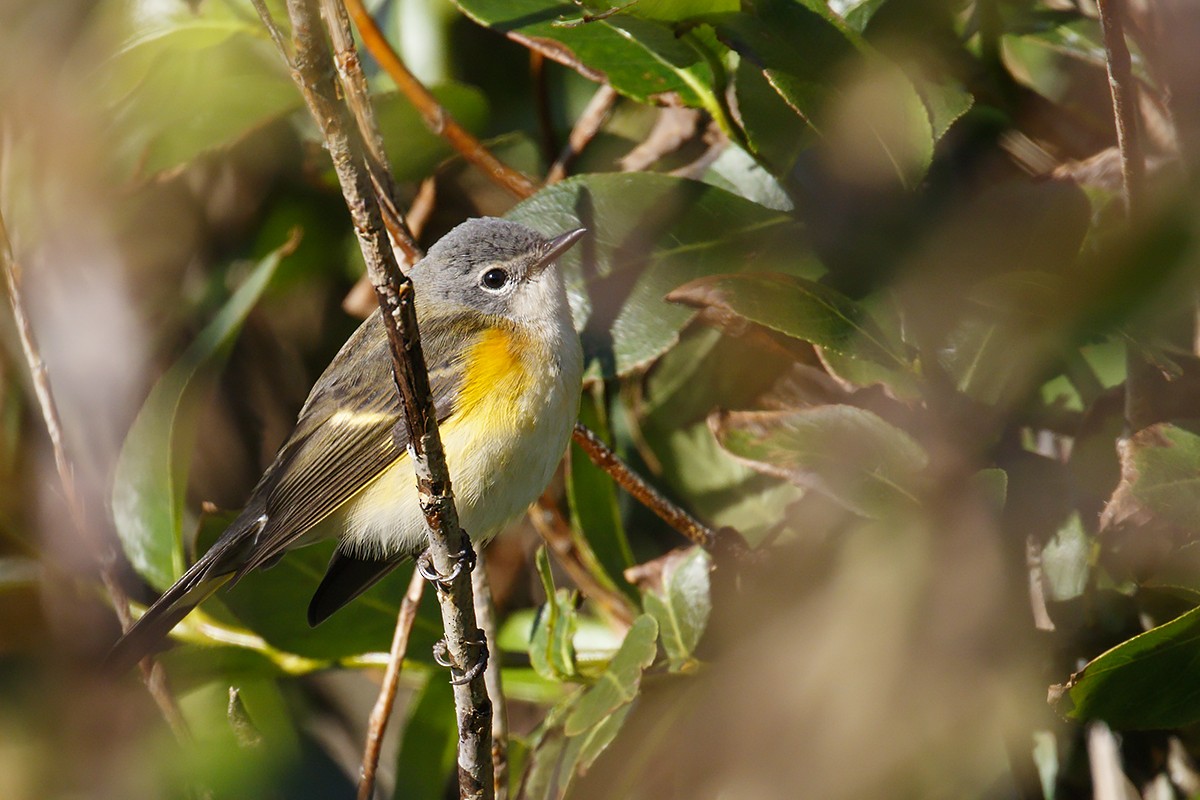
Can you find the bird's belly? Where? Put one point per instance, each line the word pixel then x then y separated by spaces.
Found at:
pixel 500 460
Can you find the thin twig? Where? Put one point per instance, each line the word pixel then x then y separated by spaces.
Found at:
pixel 345 56
pixel 435 116
pixel 1124 90
pixel 541 104
pixel 603 457
pixel 556 533
pixel 360 300
pixel 152 673
pixel 391 681
pixel 586 128
pixel 485 612
pixel 448 544
pixel 276 35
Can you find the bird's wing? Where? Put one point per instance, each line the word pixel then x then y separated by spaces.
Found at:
pixel 350 429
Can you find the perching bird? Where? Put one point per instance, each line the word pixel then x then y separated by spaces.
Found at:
pixel 505 367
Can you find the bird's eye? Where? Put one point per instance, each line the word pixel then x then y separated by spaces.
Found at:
pixel 494 279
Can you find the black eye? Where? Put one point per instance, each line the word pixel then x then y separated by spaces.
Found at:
pixel 494 278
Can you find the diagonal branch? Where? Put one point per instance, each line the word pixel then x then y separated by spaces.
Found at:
pixel 603 457
pixel 436 118
pixel 152 673
pixel 314 74
pixel 586 128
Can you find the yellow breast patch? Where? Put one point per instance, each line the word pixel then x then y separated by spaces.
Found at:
pixel 495 379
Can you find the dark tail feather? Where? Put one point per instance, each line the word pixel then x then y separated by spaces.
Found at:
pixel 345 579
pixel 209 573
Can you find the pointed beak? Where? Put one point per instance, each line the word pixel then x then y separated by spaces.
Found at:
pixel 557 246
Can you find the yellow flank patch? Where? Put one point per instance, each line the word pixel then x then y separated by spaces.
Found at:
pixel 494 381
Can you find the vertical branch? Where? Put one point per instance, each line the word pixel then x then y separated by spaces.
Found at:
pixel 1123 86
pixel 436 118
pixel 387 691
pixel 314 73
pixel 152 673
pixel 485 612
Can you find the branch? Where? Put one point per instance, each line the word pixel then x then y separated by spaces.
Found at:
pixel 644 493
pixel 1124 98
pixel 391 680
pixel 152 673
pixel 485 612
pixel 436 118
pixel 314 74
pixel 586 128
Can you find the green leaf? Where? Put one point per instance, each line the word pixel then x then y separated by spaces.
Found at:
pixel 640 58
pixel 1160 471
pixel 429 747
pixel 681 604
pixel 849 454
pixel 651 233
pixel 618 685
pixel 189 80
pixel 1147 682
pixel 551 645
pixel 1066 560
pixel 150 479
pixel 593 741
pixel 798 308
pixel 596 525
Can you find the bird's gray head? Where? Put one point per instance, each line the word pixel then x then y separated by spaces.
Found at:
pixel 496 267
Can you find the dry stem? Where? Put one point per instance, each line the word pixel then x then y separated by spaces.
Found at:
pixel 391 680
pixel 152 673
pixel 586 128
pixel 314 74
pixel 1123 86
pixel 436 118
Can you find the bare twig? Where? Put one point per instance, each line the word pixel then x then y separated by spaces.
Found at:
pixel 644 493
pixel 345 56
pixel 586 128
pixel 541 104
pixel 485 612
pixel 448 543
pixel 1124 90
pixel 360 300
pixel 276 35
pixel 391 680
pixel 556 532
pixel 436 118
pixel 673 128
pixel 152 673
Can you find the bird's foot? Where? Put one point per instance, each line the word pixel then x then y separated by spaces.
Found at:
pixel 464 559
pixel 441 654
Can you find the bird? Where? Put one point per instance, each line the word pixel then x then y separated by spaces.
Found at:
pixel 505 370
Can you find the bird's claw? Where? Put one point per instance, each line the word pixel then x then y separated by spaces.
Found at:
pixel 441 654
pixel 464 559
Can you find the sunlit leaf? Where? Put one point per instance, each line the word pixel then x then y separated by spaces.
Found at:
pixel 681 604
pixel 551 644
pixel 618 685
pixel 864 463
pixel 1160 475
pixel 1147 682
pixel 651 233
pixel 148 488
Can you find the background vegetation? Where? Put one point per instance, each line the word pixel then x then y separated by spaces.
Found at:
pixel 869 285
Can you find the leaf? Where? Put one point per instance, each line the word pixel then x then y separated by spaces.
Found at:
pixel 551 645
pixel 596 525
pixel 594 741
pixel 618 685
pixel 862 462
pixel 429 747
pixel 681 603
pixel 1147 682
pixel 1066 561
pixel 1160 475
pixel 651 233
pixel 150 479
pixel 640 58
pixel 798 308
pixel 189 80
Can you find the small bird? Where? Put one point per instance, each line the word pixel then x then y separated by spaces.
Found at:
pixel 505 368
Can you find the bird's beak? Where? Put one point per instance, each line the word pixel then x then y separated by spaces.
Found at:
pixel 557 246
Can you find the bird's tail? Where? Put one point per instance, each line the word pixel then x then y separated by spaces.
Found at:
pixel 210 572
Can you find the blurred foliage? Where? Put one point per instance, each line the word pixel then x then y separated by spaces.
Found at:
pixel 860 285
